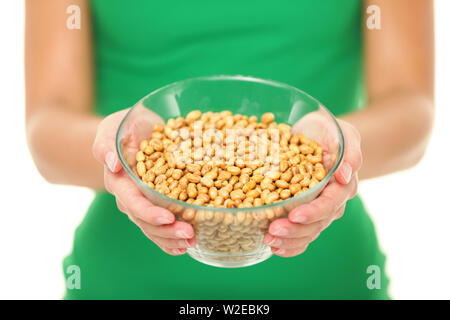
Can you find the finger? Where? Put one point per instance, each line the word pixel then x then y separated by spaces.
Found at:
pixel 108 178
pixel 287 253
pixel 355 186
pixel 104 146
pixel 112 161
pixel 317 127
pixel 286 243
pixel 176 230
pixel 105 153
pixel 132 199
pixel 174 243
pixel 171 251
pixel 283 228
pixel 121 206
pixel 352 159
pixel 325 206
pixel 174 252
pixel 340 211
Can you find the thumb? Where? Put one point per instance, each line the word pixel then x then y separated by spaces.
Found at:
pixel 104 147
pixel 112 162
pixel 352 159
pixel 104 152
pixel 344 174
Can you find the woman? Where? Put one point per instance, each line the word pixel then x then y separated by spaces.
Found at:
pixel 378 81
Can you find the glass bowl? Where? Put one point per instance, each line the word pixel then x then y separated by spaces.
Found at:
pixel 230 237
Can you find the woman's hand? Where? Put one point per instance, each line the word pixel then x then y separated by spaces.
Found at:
pixel 158 224
pixel 291 236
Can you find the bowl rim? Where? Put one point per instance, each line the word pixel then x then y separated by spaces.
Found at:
pixel 281 203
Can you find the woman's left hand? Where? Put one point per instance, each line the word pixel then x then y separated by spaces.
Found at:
pixel 291 236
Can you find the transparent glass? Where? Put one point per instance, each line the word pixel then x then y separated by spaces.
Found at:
pixel 231 237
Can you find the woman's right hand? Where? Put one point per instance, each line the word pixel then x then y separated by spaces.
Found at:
pixel 157 223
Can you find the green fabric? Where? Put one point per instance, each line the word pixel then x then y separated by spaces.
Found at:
pixel 143 45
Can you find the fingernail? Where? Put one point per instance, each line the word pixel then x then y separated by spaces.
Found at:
pixel 280 251
pixel 181 234
pixel 184 243
pixel 181 251
pixel 111 160
pixel 163 220
pixel 346 172
pixel 299 218
pixel 275 242
pixel 281 232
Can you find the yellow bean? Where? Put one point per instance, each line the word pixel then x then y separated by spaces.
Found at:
pixel 267 118
pixel 140 167
pixel 193 115
pixel 196 169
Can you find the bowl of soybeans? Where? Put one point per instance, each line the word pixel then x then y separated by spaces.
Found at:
pixel 229 155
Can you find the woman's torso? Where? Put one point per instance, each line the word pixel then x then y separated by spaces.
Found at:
pixel 143 45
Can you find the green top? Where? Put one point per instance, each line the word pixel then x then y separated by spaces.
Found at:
pixel 141 46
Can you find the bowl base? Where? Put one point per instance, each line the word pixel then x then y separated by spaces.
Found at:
pixel 229 261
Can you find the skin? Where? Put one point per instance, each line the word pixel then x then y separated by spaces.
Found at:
pixel 391 132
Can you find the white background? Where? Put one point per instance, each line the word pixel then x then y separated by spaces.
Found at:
pixel 411 209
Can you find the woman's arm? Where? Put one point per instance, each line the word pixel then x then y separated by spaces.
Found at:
pixel 399 62
pixel 60 124
pixel 63 133
pixel 394 128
